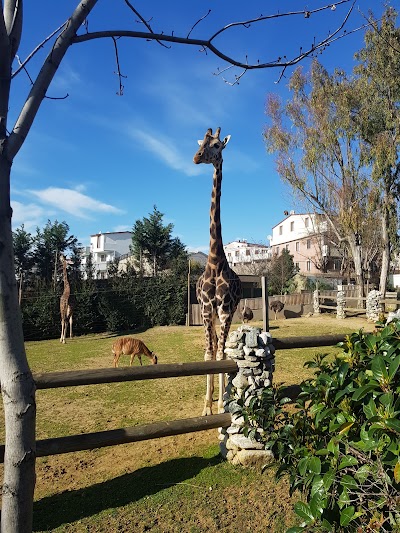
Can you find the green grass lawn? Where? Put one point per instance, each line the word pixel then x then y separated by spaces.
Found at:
pixel 172 484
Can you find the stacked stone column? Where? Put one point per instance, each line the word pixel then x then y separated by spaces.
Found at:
pixel 340 304
pixel 317 310
pixel 254 354
pixel 374 307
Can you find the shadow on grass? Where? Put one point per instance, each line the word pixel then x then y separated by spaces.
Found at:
pixel 69 506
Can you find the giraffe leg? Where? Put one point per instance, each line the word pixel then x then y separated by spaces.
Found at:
pixel 63 328
pixel 209 328
pixel 226 321
pixel 70 326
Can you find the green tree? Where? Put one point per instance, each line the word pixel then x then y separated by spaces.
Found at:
pixel 378 74
pixel 152 240
pixel 23 255
pixel 52 240
pixel 281 272
pixel 89 268
pixel 322 156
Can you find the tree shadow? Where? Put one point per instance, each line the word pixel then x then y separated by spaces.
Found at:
pixel 69 506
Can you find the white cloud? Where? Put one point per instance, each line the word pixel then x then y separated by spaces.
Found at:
pixel 161 147
pixel 31 215
pixel 73 202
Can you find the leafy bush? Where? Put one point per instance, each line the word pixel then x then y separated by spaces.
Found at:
pixel 41 316
pixel 340 445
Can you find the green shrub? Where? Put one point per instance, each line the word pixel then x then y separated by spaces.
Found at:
pixel 41 316
pixel 340 446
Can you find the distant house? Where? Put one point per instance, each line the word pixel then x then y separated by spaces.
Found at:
pixel 105 247
pixel 242 255
pixel 305 236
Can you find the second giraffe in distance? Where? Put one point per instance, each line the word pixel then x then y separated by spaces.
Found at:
pixel 67 303
pixel 218 289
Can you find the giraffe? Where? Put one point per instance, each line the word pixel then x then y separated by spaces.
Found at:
pixel 66 303
pixel 218 289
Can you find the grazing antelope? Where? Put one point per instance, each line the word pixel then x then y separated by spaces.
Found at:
pixel 132 347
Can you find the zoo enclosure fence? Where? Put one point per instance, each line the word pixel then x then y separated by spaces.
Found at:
pixel 89 441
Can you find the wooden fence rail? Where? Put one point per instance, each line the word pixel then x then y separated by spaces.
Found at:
pixel 89 441
pixel 100 439
pixel 74 378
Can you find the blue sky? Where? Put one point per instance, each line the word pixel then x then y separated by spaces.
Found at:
pixel 101 161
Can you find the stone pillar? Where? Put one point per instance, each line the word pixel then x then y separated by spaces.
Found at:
pixel 254 354
pixel 317 310
pixel 340 304
pixel 374 308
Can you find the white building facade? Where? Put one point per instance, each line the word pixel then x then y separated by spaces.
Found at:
pixel 241 252
pixel 105 247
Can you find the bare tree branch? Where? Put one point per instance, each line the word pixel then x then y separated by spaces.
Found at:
pixel 195 24
pixel 120 76
pixel 23 64
pixel 145 22
pixel 208 45
pixel 45 76
pixel 304 13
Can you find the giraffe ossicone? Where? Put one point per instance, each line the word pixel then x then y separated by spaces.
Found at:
pixel 219 288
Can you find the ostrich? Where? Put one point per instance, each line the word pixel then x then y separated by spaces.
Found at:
pixel 246 313
pixel 276 307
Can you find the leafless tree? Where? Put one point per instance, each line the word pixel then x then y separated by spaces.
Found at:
pixel 18 388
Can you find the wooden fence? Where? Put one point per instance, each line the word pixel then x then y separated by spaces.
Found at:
pixel 88 441
pixel 328 301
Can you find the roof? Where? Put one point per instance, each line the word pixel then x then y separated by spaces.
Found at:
pixel 110 233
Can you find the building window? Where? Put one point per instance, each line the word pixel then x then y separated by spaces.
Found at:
pixel 287 247
pixel 102 258
pixel 297 246
pixel 308 244
pixel 292 226
pixel 277 250
pixel 237 253
pixel 229 254
pixel 306 222
pixel 297 266
pixel 308 266
pixel 247 252
pixel 98 241
pixel 257 252
pixel 280 230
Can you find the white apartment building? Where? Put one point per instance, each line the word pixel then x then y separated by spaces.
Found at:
pixel 241 253
pixel 105 247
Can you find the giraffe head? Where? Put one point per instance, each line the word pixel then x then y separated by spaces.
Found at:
pixel 211 147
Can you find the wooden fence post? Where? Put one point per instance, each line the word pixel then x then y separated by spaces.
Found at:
pixel 264 291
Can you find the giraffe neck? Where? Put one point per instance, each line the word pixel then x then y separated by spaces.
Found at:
pixel 66 283
pixel 216 251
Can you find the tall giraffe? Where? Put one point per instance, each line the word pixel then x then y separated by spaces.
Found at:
pixel 66 303
pixel 218 288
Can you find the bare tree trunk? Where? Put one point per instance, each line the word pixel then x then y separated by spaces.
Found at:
pixel 385 254
pixel 17 385
pixel 355 248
